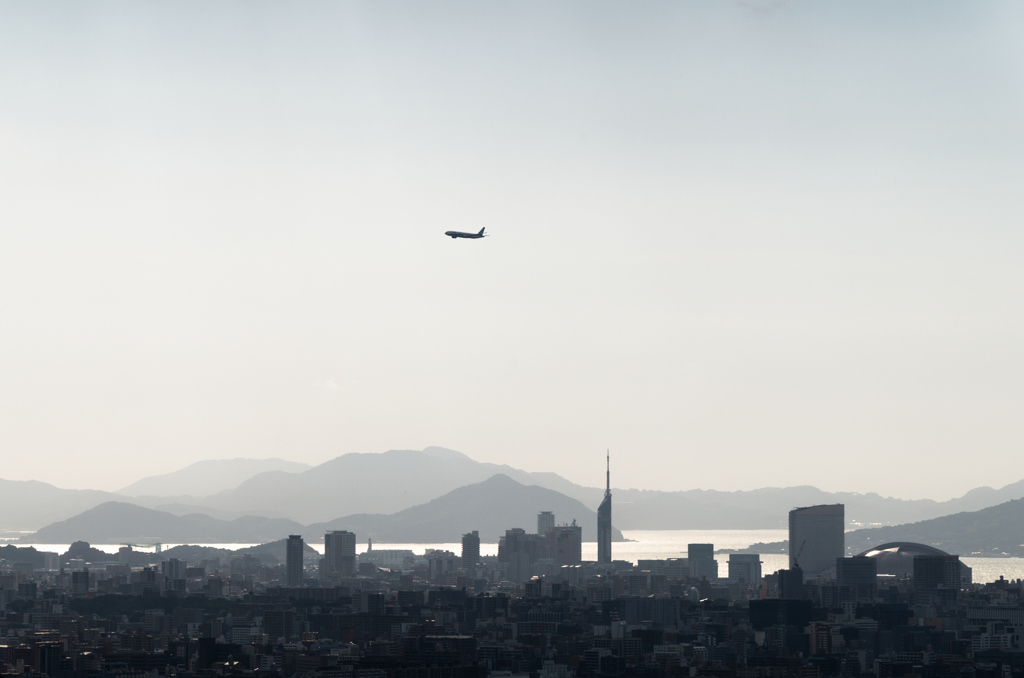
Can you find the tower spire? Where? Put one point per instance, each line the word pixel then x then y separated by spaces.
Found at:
pixel 608 473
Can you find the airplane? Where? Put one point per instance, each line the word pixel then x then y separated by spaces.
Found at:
pixel 460 234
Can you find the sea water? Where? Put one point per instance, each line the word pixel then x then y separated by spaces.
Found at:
pixel 642 545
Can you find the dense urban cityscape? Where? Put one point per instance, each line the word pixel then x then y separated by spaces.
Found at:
pixel 266 267
pixel 535 609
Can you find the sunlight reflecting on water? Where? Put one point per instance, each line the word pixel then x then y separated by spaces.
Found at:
pixel 643 545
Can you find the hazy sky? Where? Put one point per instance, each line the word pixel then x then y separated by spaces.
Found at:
pixel 740 244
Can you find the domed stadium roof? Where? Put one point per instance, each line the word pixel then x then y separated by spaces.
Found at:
pixel 897 557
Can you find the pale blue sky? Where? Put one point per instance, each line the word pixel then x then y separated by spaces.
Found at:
pixel 740 244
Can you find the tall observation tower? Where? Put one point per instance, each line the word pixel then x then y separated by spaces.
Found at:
pixel 604 517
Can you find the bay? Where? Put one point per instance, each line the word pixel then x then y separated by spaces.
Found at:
pixel 642 545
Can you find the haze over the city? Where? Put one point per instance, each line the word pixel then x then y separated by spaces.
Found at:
pixel 739 244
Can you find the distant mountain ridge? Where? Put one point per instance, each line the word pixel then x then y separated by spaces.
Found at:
pixel 30 504
pixel 491 507
pixel 207 477
pixel 992 531
pixel 393 481
pixel 398 479
pixel 372 483
pixel 117 522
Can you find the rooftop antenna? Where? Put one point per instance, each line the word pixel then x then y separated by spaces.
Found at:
pixel 608 473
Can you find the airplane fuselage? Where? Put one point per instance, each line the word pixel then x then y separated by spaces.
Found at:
pixel 460 234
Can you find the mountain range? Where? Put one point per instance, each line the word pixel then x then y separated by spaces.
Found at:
pixel 117 522
pixel 211 476
pixel 992 531
pixel 388 483
pixel 398 479
pixel 369 483
pixel 490 507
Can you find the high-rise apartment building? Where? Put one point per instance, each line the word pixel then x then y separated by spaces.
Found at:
pixel 340 553
pixel 545 521
pixel 173 569
pixel 565 544
pixel 470 549
pixel 745 566
pixel 604 517
pixel 816 537
pixel 702 561
pixel 80 583
pixel 293 560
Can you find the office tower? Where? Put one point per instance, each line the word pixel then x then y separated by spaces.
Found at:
pixel 745 566
pixel 519 550
pixel 340 553
pixel 519 567
pixel 791 583
pixel 293 560
pixel 702 561
pixel 816 537
pixel 859 573
pixel 173 569
pixel 470 549
pixel 511 543
pixel 604 517
pixel 49 658
pixel 440 564
pixel 80 583
pixel 545 521
pixel 565 544
pixel 934 572
pixel 516 540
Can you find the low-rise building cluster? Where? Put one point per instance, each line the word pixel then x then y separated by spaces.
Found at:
pixel 546 614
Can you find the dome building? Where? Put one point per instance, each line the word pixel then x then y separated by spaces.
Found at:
pixel 897 558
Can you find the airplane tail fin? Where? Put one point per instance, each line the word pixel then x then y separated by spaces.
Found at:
pixel 481 231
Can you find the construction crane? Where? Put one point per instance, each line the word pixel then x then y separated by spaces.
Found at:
pixel 796 558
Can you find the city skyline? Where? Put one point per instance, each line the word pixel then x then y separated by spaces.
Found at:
pixel 318 316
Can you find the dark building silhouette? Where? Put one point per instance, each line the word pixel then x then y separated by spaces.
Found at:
pixel 702 561
pixel 173 569
pixel 545 521
pixel 49 658
pixel 340 553
pixel 565 544
pixel 791 583
pixel 936 572
pixel 80 583
pixel 518 549
pixel 745 566
pixel 817 537
pixel 518 540
pixel 278 623
pixel 860 573
pixel 604 518
pixel 898 558
pixel 781 613
pixel 470 549
pixel 293 560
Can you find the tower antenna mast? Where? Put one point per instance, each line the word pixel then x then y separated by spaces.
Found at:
pixel 608 472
